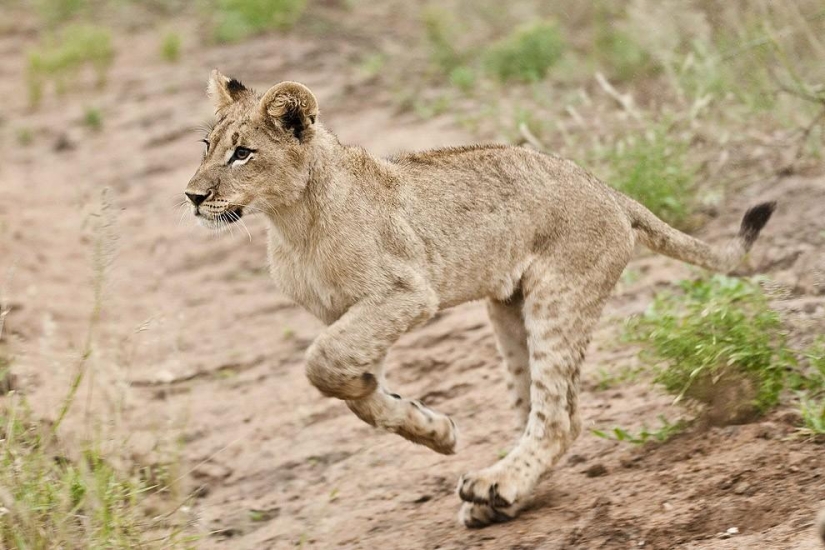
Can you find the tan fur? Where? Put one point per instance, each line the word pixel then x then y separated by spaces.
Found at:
pixel 374 247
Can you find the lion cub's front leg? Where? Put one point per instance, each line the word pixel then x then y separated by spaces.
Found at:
pixel 346 362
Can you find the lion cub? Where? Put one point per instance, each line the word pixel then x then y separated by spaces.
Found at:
pixel 375 247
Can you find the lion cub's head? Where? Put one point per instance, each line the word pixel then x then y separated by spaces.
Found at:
pixel 257 153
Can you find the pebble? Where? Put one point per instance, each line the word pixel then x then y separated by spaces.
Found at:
pixel 741 488
pixel 596 470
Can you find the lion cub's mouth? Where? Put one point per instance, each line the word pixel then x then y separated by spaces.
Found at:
pixel 229 216
pixel 226 217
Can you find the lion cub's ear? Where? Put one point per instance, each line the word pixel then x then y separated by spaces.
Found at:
pixel 293 107
pixel 223 90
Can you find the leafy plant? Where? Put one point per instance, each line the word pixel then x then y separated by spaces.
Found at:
pixel 717 343
pixel 527 54
pixel 239 19
pixel 665 431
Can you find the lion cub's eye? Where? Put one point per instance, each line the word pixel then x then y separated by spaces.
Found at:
pixel 242 153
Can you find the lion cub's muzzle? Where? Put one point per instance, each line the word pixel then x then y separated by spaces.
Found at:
pixel 214 210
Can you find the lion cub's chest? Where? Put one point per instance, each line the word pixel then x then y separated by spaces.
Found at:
pixel 300 276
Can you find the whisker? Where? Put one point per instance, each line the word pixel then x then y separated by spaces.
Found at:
pixel 183 211
pixel 237 218
pixel 243 224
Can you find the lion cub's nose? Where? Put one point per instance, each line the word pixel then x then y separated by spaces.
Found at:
pixel 197 198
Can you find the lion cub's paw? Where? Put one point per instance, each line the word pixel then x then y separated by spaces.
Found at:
pixel 493 495
pixel 475 516
pixel 490 486
pixel 429 428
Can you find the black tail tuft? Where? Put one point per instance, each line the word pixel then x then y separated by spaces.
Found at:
pixel 754 220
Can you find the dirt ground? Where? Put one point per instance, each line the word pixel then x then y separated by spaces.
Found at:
pixel 195 345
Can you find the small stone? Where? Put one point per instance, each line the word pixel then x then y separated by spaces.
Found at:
pixel 630 461
pixel 63 143
pixel 201 491
pixel 767 430
pixel 596 470
pixel 741 488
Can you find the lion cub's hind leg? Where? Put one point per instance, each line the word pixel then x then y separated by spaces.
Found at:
pixel 408 418
pixel 562 302
pixel 508 322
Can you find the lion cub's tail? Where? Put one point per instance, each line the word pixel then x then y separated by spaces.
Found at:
pixel 659 236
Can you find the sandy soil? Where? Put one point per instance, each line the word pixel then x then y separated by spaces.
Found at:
pixel 195 341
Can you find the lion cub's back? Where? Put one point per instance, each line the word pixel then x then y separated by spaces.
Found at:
pixel 481 210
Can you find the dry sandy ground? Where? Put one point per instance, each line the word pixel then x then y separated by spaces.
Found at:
pixel 195 341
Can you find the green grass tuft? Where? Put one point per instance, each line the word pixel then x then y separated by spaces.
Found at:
pixel 50 501
pixel 60 58
pixel 240 19
pixel 464 78
pixel 718 343
pixel 57 11
pixel 440 30
pixel 621 56
pixel 93 119
pixel 170 47
pixel 810 387
pixel 25 136
pixel 527 54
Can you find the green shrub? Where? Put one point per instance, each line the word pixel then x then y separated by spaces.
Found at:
pixel 440 30
pixel 527 54
pixel 463 78
pixel 57 11
pixel 61 57
pixel 655 171
pixel 622 57
pixel 718 343
pixel 170 47
pixel 372 64
pixel 239 19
